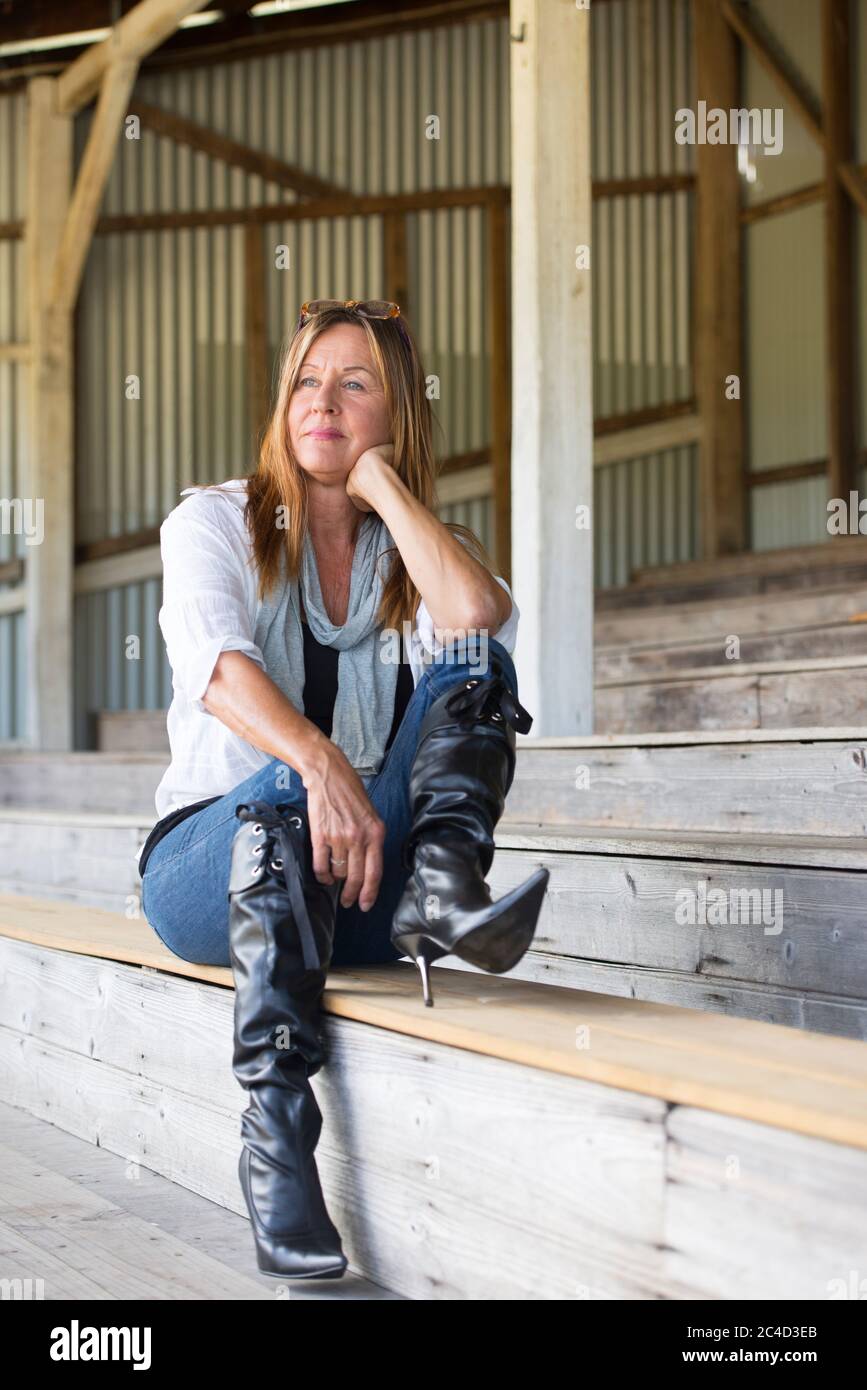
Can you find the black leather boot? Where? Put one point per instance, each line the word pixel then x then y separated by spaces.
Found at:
pixel 281 934
pixel 463 768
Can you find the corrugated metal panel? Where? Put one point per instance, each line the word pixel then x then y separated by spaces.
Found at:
pixel 646 513
pixel 13 403
pixel 645 508
pixel 109 674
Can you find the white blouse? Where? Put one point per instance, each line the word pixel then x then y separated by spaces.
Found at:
pixel 210 599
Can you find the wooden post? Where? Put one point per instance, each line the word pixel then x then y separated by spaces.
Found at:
pixel 839 254
pixel 49 564
pixel 552 364
pixel 718 291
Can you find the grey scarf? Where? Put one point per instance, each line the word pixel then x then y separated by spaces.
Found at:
pixel 366 681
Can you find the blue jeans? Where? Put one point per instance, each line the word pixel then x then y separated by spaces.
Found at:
pixel 186 881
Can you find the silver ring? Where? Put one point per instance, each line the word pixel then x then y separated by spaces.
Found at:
pixel 338 862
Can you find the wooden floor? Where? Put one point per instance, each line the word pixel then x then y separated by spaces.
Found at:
pixel 90 1225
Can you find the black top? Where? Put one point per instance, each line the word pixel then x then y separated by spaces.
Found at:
pixel 320 684
pixel 320 692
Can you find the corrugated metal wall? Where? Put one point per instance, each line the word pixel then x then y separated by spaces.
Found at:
pixel 13 407
pixel 641 73
pixel 786 336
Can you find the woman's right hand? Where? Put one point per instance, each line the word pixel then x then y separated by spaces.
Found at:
pixel 344 825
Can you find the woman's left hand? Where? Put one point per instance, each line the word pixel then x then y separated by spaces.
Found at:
pixel 364 470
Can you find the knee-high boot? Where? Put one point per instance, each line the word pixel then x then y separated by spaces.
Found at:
pixel 463 768
pixel 281 933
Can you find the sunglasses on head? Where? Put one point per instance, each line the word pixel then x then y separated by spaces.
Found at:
pixel 365 308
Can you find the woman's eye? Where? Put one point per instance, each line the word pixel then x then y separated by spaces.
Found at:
pixel 306 379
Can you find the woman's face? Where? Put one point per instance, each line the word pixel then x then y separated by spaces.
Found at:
pixel 338 408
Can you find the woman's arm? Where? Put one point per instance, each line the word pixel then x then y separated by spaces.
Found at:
pixel 244 698
pixel 342 818
pixel 458 590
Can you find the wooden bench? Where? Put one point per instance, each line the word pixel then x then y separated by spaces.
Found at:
pixel 516 1141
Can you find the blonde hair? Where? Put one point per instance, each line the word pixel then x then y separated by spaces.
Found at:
pixel 278 480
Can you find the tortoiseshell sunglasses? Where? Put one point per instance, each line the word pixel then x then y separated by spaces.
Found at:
pixel 366 308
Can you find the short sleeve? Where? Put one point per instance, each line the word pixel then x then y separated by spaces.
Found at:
pixel 505 635
pixel 205 608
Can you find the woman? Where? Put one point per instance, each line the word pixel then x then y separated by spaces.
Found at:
pixel 313 755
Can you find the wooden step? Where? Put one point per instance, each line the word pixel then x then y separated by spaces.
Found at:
pixel 87 781
pixel 605 1123
pixel 765 694
pixel 748 615
pixel 839 559
pixel 764 782
pixel 789 948
pixel 655 659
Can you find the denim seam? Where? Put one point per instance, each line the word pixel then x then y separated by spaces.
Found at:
pixel 164 863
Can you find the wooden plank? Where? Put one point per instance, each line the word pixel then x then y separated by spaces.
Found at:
pixel 814 1012
pixel 135 35
pixel 655 659
pixel 715 784
pixel 763 700
pixel 743 24
pixel 498 269
pixel 232 152
pixel 65 1182
pixel 783 202
pixel 745 614
pixel 637 441
pixel 731 1179
pixel 718 297
pixel 804 1082
pixel 845 552
pixel 840 330
pixel 313 209
pixel 93 172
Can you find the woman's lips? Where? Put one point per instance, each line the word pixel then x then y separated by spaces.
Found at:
pixel 325 434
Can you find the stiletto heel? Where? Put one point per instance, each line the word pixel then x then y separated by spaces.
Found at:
pixel 462 770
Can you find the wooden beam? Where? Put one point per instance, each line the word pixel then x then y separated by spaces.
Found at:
pixel 675 433
pixel 783 202
pixel 131 39
pixel 90 183
pixel 646 415
pixel 256 332
pixel 206 141
pixel 743 24
pixel 51 430
pixel 841 337
pixel 648 183
pixel 718 289
pixel 499 394
pixel 342 205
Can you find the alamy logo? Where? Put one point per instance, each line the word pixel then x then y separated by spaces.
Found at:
pixel 704 906
pixel 76 1343
pixel 762 129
